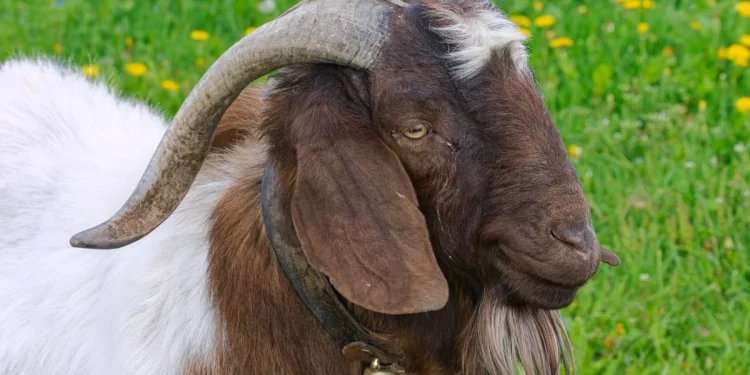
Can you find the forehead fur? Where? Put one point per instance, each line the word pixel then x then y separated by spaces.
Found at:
pixel 475 29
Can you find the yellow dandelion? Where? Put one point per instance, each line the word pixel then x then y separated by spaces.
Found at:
pixel 575 151
pixel 200 61
pixel 745 40
pixel 525 31
pixel 582 10
pixel 743 8
pixel 738 52
pixel 90 70
pixel 544 21
pixel 520 20
pixel 642 27
pixel 128 42
pixel 741 62
pixel 721 54
pixel 250 30
pixel 538 5
pixel 619 329
pixel 638 4
pixel 561 42
pixel 170 85
pixel 743 104
pixel 57 48
pixel 702 105
pixel 199 35
pixel 136 69
pixel 667 51
pixel 695 25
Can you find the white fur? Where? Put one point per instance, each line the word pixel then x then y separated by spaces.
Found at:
pixel 476 34
pixel 71 152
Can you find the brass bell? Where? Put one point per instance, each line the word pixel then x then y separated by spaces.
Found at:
pixel 376 368
pixel 381 371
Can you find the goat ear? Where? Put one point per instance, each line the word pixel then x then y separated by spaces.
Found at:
pixel 356 214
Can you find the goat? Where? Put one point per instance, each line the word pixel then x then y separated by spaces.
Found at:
pixel 412 154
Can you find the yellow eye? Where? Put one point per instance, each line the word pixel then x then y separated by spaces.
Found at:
pixel 415 131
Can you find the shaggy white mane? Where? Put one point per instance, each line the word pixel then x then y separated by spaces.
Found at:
pixel 476 30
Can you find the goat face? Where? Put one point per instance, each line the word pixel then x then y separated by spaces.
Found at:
pixel 477 151
pixel 502 200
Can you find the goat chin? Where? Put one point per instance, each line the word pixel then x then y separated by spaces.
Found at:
pixel 500 337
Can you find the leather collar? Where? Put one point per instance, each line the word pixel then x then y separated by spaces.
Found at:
pixel 314 289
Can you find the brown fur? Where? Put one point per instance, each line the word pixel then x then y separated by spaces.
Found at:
pixel 240 121
pixel 266 329
pixel 485 192
pixel 259 312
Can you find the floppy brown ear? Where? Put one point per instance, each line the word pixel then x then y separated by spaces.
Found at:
pixel 356 214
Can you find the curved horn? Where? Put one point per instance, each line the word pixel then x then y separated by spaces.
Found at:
pixel 344 32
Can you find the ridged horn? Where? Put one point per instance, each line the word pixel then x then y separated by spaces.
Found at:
pixel 343 32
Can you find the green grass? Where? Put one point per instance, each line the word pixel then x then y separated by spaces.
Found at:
pixel 668 182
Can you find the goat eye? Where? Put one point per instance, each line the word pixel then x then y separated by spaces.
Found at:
pixel 415 131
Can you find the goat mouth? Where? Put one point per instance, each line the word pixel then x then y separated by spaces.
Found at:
pixel 543 294
pixel 524 288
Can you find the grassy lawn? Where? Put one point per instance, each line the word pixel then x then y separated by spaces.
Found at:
pixel 646 99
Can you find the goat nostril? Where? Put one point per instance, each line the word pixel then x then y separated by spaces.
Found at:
pixel 574 236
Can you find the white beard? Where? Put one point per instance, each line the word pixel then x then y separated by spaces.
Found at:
pixel 501 338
